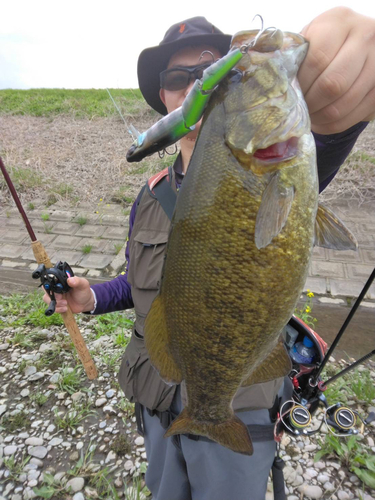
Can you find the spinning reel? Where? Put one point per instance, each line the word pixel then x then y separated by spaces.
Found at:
pixel 54 280
pixel 340 420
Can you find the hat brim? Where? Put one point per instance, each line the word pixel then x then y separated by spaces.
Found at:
pixel 154 60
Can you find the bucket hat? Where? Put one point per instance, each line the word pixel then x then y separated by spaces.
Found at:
pixel 152 61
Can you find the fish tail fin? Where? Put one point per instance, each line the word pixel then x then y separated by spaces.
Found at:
pixel 232 433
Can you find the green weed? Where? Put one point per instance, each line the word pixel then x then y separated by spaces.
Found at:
pixel 64 190
pixel 50 359
pixel 304 311
pixel 126 407
pixel 81 220
pixel 121 445
pixel 13 423
pixel 39 398
pixel 121 339
pixel 70 379
pixel 112 361
pixel 15 467
pixel 47 228
pixel 31 206
pixel 86 249
pixel 74 416
pixel 50 488
pixel 362 386
pixel 118 247
pixel 45 217
pixel 22 178
pixel 352 454
pixel 32 315
pixel 110 323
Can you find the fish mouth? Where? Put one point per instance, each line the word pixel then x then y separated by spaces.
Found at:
pixel 280 151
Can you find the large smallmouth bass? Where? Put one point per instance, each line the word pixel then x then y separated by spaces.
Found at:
pixel 241 241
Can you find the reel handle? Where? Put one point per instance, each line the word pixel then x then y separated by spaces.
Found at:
pixel 370 418
pixel 51 308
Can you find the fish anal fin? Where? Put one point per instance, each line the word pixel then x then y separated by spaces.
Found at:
pixel 331 232
pixel 277 364
pixel 273 211
pixel 232 433
pixel 157 343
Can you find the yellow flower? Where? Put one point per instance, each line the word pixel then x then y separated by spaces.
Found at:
pixel 96 212
pixel 308 290
pixel 101 199
pixel 308 309
pixel 310 294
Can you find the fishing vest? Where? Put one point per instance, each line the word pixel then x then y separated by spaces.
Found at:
pixel 147 247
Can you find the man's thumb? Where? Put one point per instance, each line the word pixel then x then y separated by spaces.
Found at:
pixel 73 282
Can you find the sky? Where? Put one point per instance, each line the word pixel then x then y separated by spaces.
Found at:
pixel 87 44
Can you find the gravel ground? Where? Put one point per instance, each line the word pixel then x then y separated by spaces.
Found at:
pixel 49 425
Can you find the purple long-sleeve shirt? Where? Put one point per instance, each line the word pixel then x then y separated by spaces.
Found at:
pixel 332 150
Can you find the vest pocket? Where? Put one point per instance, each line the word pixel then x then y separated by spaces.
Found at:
pixel 140 381
pixel 146 259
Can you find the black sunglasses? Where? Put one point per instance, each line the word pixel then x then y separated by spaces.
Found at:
pixel 180 77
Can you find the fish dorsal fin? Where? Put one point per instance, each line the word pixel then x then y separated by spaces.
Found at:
pixel 331 232
pixel 277 364
pixel 273 211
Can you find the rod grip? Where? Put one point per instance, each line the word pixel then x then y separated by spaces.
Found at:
pixel 41 257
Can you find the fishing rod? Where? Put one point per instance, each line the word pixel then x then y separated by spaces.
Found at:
pixel 52 277
pixel 361 296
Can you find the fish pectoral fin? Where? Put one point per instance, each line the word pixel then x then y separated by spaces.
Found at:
pixel 157 343
pixel 273 211
pixel 277 364
pixel 232 433
pixel 331 232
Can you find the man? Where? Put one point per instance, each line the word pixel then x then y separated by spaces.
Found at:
pixel 338 80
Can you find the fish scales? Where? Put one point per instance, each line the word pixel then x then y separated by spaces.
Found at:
pixel 240 244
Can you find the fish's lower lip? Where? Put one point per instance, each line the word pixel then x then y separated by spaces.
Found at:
pixel 279 151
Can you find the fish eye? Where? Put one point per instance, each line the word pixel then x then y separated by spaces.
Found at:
pixel 235 75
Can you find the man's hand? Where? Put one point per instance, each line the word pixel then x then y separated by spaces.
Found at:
pixel 80 298
pixel 338 75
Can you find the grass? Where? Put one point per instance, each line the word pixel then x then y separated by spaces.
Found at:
pixel 70 379
pixel 118 247
pixel 29 310
pixel 86 249
pixel 79 103
pixel 111 323
pixel 356 385
pixel 23 178
pixel 352 454
pixel 74 416
pixel 45 217
pixel 121 445
pixel 51 488
pixel 14 423
pixel 39 398
pixel 81 220
pixel 15 468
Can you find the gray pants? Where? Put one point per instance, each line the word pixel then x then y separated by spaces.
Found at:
pixel 203 470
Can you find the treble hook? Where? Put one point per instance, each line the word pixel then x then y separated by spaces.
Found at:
pixel 261 20
pixel 207 52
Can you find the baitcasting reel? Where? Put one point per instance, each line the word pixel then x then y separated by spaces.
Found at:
pixel 54 280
